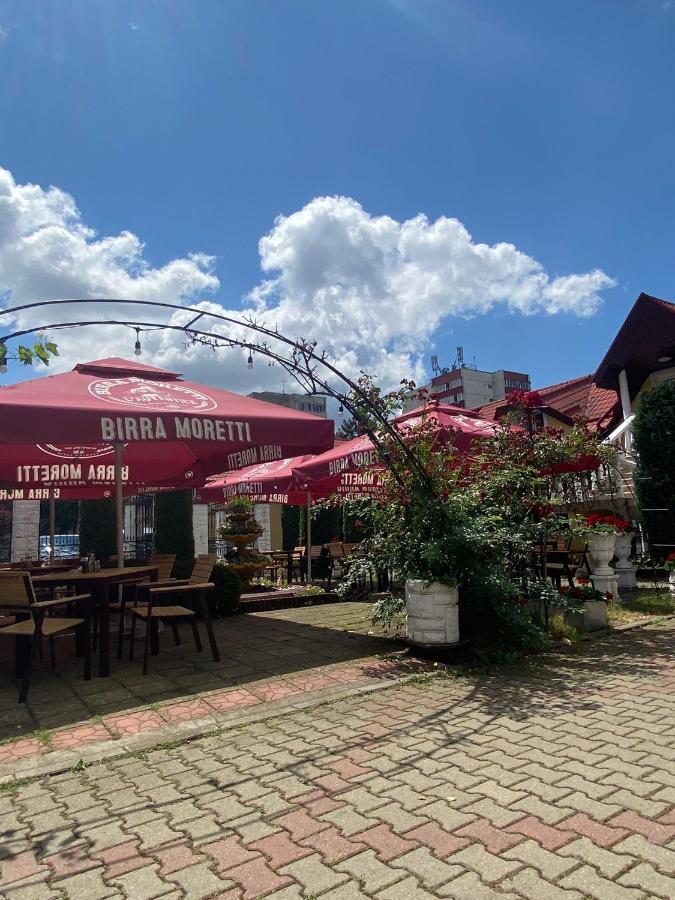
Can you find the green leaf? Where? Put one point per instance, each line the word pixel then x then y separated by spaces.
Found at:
pixel 41 353
pixel 52 348
pixel 25 355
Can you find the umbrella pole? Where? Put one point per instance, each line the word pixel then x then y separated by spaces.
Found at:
pixel 119 504
pixel 309 538
pixel 52 524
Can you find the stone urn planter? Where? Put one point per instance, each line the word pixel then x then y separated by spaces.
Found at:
pixel 593 617
pixel 432 614
pixel 671 582
pixel 623 567
pixel 601 549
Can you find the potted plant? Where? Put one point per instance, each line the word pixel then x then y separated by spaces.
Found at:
pixel 602 531
pixel 241 530
pixel 585 607
pixel 670 566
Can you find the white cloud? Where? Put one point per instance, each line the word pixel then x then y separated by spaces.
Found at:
pixel 4 34
pixel 375 290
pixel 371 290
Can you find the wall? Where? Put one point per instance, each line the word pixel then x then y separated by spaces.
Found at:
pixel 25 529
pixel 200 527
pixel 261 511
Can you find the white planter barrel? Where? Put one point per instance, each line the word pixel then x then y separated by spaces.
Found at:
pixel 623 567
pixel 432 614
pixel 593 617
pixel 604 578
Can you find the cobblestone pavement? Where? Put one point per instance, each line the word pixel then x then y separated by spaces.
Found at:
pixel 552 779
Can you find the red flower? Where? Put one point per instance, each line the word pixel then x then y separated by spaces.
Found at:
pixel 358 523
pixel 609 595
pixel 564 590
pixel 671 557
pixel 583 579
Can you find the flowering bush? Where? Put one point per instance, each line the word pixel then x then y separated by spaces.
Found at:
pixel 670 562
pixel 582 593
pixel 605 523
pixel 470 518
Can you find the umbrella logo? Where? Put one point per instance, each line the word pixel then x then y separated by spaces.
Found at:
pixel 153 396
pixel 76 451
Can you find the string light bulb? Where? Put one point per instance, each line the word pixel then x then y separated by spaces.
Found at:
pixel 340 410
pixel 137 346
pixel 249 361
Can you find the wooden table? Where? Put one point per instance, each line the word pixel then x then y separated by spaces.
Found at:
pixel 98 585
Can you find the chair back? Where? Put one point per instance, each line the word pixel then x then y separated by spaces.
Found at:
pixel 201 571
pixel 301 550
pixel 336 550
pixel 16 590
pixel 164 563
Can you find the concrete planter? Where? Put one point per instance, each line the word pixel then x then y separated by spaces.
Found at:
pixel 623 567
pixel 592 618
pixel 671 582
pixel 432 614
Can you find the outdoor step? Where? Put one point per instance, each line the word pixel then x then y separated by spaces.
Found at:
pixel 283 600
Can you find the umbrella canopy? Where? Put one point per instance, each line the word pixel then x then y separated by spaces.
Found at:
pixel 64 428
pixel 462 425
pixel 267 483
pixel 278 482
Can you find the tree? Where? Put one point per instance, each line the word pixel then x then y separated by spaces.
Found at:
pixel 348 429
pixel 98 529
pixel 174 531
pixel 654 430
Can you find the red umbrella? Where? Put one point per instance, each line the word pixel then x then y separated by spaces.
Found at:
pixel 462 425
pixel 266 483
pixel 170 432
pixel 280 482
pixel 276 482
pixel 115 401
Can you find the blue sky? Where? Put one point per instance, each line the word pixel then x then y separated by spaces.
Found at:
pixel 547 125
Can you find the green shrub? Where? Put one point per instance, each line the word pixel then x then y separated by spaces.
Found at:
pixel 98 529
pixel 173 529
pixel 225 601
pixel 654 429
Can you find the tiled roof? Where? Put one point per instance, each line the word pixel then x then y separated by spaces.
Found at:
pixel 578 398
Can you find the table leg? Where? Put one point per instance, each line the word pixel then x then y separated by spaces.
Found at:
pixel 209 626
pixel 104 631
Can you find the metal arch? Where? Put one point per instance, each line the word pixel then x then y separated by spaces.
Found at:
pixel 300 349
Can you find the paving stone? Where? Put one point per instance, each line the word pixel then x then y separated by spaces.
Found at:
pixel 313 874
pixel 470 887
pixel 431 871
pixel 256 878
pixel 347 821
pixel 87 886
pixel 644 876
pixel 370 872
pixel 332 846
pixel 491 868
pixel 590 884
pixel 636 845
pixel 198 882
pixel 607 862
pixel 550 865
pixel 653 831
pixel 530 884
pixel 142 884
pixel 407 889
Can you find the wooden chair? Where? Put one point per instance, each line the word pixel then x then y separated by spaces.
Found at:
pixel 17 595
pixel 133 592
pixel 197 584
